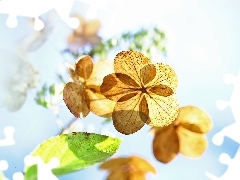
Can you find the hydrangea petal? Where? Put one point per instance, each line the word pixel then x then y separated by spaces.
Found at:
pixel 191 144
pixel 113 88
pixel 165 75
pixel 162 110
pixel 73 96
pixel 142 165
pixel 99 104
pixel 166 144
pixel 84 66
pixel 130 63
pixel 100 70
pixel 194 119
pixel 130 116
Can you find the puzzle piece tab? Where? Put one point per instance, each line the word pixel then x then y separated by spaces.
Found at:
pixel 44 170
pixel 233 172
pixel 8 132
pixel 231 131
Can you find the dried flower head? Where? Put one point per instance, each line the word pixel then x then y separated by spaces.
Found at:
pixel 127 168
pixel 186 135
pixel 83 94
pixel 86 33
pixel 143 92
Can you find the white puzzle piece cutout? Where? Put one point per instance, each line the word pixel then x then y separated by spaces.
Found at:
pixel 8 132
pixel 44 170
pixel 232 131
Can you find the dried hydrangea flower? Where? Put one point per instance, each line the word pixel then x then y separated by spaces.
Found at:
pixel 85 33
pixel 186 135
pixel 143 92
pixel 127 168
pixel 17 77
pixel 83 95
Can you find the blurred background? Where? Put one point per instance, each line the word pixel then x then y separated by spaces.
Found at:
pixel 201 42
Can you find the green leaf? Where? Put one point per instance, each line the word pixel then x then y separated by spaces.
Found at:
pixel 75 151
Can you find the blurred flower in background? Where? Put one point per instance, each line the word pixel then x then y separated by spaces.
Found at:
pixel 17 77
pixel 84 34
pixel 127 168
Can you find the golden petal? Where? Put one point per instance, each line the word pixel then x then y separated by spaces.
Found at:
pixel 100 70
pixel 165 75
pixel 130 63
pixel 142 165
pixel 136 176
pixel 162 110
pixel 117 175
pixel 114 89
pixel 114 163
pixel 84 66
pixel 73 96
pixel 166 144
pixel 130 116
pixel 191 144
pixel 99 104
pixel 91 27
pixel 194 119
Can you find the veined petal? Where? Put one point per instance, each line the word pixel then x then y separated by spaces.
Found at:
pixel 114 89
pixel 130 63
pixel 165 75
pixel 99 104
pixel 162 110
pixel 194 119
pixel 130 116
pixel 191 144
pixel 84 66
pixel 165 144
pixel 74 98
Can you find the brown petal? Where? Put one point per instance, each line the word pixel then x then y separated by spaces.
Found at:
pixel 84 66
pixel 166 144
pixel 194 119
pixel 99 104
pixel 162 110
pixel 127 80
pixel 191 144
pixel 130 63
pixel 114 89
pixel 73 75
pixel 142 165
pixel 130 116
pixel 165 75
pixel 161 90
pixel 100 70
pixel 148 73
pixel 73 96
pixel 114 163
